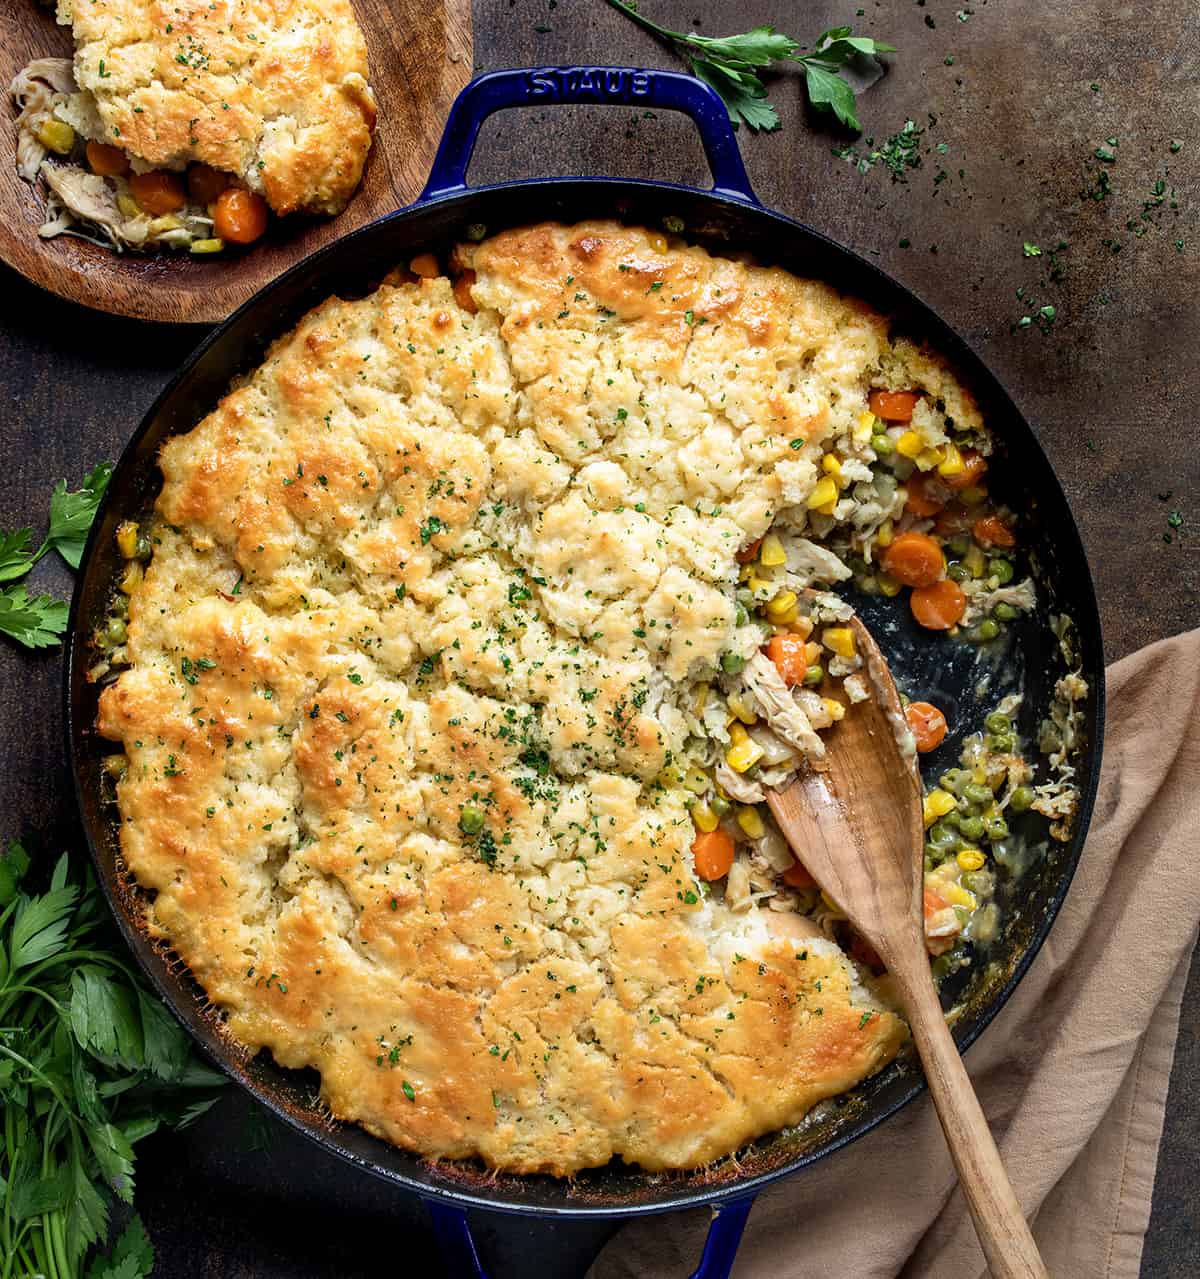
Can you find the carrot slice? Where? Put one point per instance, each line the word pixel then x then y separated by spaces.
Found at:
pixel 713 854
pixel 797 876
pixel 106 160
pixel 926 496
pixel 240 216
pixel 914 559
pixel 893 406
pixel 974 467
pixel 158 191
pixel 991 531
pixel 938 606
pixel 749 551
pixel 927 723
pixel 788 654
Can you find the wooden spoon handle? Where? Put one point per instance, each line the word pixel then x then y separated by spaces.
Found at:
pixel 999 1222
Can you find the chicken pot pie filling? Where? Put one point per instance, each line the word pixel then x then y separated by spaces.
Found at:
pixel 179 124
pixel 468 632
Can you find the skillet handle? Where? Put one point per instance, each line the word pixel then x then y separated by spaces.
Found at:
pixel 618 86
pixel 457 1245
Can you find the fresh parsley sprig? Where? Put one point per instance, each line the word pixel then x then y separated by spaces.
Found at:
pixel 731 64
pixel 37 621
pixel 90 1063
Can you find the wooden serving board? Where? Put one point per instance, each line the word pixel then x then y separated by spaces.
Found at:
pixel 420 57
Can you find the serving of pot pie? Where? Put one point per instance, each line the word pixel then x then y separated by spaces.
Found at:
pixel 179 123
pixel 467 632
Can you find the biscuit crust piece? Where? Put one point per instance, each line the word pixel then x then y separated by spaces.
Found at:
pixel 409 688
pixel 274 91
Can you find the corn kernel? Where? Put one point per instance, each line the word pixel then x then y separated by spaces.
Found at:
pixel 802 626
pixel 213 245
pixel 741 709
pixel 696 780
pixel 772 553
pixel 783 604
pixel 744 755
pixel 910 444
pixel 131 578
pixel 830 903
pixel 167 222
pixel 885 534
pixel 975 561
pixel 827 508
pixel 701 699
pixel 866 420
pixel 128 205
pixel 839 640
pixel 831 466
pixel 864 429
pixel 658 243
pixel 703 818
pixel 888 586
pixel 927 459
pixel 127 532
pixel 836 710
pixel 56 136
pixel 955 895
pixel 749 820
pixel 952 461
pixel 756 583
pixel 936 805
pixel 812 653
pixel 970 859
pixel 824 493
pixel 737 734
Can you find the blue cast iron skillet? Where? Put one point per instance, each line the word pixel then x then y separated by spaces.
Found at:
pixel 726 218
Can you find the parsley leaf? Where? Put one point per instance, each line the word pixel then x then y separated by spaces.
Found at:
pixel 15 557
pixel 36 623
pixel 71 514
pixel 730 64
pixel 132 1256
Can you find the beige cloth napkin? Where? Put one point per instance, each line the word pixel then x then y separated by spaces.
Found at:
pixel 1072 1073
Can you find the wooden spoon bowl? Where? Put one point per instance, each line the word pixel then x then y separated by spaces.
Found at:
pixel 856 824
pixel 420 57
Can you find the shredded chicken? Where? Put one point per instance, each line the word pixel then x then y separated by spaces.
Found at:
pixel 781 709
pixel 807 562
pixel 37 89
pixel 980 602
pixel 736 786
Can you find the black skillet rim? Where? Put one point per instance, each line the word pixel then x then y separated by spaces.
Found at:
pixel 949 342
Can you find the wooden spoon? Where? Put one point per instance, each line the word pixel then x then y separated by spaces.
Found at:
pixel 857 826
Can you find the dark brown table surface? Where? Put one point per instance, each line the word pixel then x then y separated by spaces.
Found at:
pixel 1012 97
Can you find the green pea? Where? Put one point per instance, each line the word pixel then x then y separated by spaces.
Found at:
pixel 1001 570
pixel 1004 612
pixel 814 675
pixel 985 631
pixel 960 544
pixel 732 663
pixel 973 881
pixel 996 828
pixel 143 550
pixel 1021 799
pixel 740 616
pixel 882 444
pixel 928 859
pixel 976 793
pixel 949 778
pixel 941 836
pixel 997 722
pixel 971 828
pixel 942 966
pixel 722 807
pixel 1001 743
pixel 958 572
pixel 115 631
pixel 120 605
pixel 470 820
